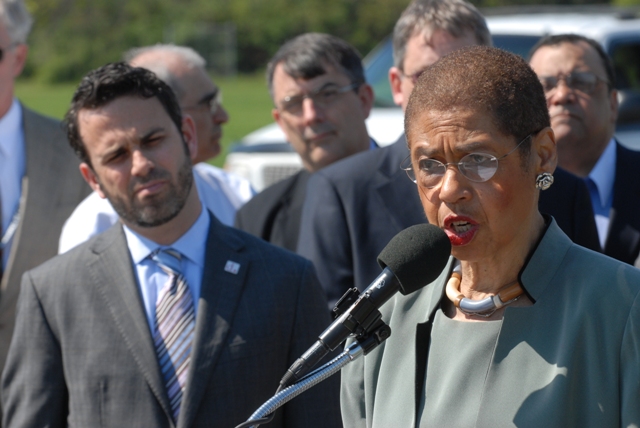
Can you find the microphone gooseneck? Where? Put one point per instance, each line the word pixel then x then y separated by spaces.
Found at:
pixel 412 259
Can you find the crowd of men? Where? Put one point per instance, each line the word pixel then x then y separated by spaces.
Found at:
pixel 171 302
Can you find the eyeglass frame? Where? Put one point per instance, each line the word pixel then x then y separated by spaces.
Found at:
pixel 286 101
pixel 414 77
pixel 213 101
pixel 410 173
pixel 567 78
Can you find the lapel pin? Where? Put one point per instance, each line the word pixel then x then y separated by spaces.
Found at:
pixel 232 267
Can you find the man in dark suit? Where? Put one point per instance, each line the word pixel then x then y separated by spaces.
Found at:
pixel 321 101
pixel 39 181
pixel 579 81
pixel 169 319
pixel 359 204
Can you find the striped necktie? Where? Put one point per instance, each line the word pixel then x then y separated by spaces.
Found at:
pixel 175 325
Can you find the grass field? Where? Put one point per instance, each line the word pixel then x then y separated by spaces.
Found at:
pixel 246 98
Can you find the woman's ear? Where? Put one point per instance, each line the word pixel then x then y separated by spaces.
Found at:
pixel 543 146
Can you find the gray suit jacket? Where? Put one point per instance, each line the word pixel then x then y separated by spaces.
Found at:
pixel 82 353
pixel 51 189
pixel 570 360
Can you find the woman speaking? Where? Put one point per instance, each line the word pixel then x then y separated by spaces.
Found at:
pixel 523 327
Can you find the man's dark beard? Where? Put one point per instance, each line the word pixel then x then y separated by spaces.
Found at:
pixel 158 209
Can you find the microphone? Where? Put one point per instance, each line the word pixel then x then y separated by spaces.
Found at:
pixel 412 259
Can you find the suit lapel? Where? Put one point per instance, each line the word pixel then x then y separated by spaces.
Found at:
pixel 396 190
pixel 112 274
pixel 219 297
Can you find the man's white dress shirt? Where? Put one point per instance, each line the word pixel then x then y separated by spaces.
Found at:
pixel 220 192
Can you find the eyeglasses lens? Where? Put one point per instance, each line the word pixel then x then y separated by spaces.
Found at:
pixel 477 167
pixel 578 81
pixel 322 98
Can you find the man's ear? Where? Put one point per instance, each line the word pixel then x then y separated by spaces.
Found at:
pixel 189 135
pixel 543 146
pixel 275 113
pixel 91 178
pixel 613 102
pixel 395 81
pixel 19 58
pixel 366 96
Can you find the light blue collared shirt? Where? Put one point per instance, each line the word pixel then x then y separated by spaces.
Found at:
pixel 12 168
pixel 151 278
pixel 372 144
pixel 600 183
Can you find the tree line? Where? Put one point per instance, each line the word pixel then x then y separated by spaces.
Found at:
pixel 71 37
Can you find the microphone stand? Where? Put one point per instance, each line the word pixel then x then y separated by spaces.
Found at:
pixel 362 345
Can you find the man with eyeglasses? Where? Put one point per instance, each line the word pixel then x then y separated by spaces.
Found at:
pixel 39 180
pixel 321 101
pixel 183 69
pixel 359 204
pixel 579 82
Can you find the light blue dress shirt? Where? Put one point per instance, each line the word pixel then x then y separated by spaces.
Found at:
pixel 151 278
pixel 12 168
pixel 600 183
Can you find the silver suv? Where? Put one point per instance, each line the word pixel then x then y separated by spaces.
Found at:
pixel 265 157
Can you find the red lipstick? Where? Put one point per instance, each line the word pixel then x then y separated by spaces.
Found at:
pixel 460 229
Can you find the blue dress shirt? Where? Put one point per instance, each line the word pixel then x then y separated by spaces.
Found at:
pixel 600 183
pixel 151 278
pixel 12 168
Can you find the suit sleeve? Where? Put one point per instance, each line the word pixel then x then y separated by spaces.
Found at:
pixel 318 407
pixel 325 239
pixel 34 392
pixel 630 369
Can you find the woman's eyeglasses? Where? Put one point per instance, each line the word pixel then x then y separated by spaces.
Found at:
pixel 477 167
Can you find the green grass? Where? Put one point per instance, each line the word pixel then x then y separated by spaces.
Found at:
pixel 246 98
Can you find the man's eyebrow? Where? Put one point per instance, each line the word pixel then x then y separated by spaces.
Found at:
pixel 149 135
pixel 209 96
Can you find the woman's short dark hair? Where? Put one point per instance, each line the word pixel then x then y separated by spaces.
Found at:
pixel 484 79
pixel 109 82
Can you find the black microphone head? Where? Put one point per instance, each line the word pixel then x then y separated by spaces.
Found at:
pixel 416 256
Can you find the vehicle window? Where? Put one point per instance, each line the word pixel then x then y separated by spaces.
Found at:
pixel 376 70
pixel 379 60
pixel 626 61
pixel 520 45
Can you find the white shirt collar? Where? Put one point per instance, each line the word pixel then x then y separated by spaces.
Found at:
pixel 192 244
pixel 603 173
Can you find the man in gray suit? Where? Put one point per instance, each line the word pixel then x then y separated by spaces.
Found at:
pixel 39 181
pixel 170 318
